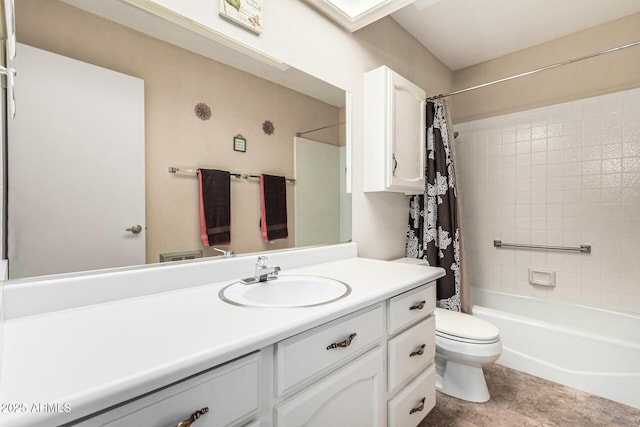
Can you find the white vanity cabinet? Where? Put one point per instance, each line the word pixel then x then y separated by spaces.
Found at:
pixel 394 133
pixel 411 382
pixel 230 394
pixel 371 368
pixel 350 395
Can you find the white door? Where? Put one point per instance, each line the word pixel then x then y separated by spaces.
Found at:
pixel 76 167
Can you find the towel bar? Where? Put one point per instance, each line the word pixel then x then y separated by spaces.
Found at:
pixel 173 169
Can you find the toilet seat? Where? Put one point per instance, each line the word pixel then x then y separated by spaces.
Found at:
pixel 464 328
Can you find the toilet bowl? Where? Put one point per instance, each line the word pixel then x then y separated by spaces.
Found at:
pixel 464 344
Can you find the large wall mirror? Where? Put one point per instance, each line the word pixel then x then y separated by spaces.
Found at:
pixel 185 110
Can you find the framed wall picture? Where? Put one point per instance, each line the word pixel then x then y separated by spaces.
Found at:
pixel 239 143
pixel 247 13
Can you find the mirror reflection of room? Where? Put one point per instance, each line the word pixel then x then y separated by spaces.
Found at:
pixel 188 112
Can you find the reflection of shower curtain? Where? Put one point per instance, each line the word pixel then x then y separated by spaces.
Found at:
pixel 433 232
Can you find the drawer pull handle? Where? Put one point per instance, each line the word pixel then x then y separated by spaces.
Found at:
pixel 418 352
pixel 342 344
pixel 418 306
pixel 418 408
pixel 193 418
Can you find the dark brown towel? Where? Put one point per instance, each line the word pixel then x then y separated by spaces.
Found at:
pixel 273 191
pixel 215 206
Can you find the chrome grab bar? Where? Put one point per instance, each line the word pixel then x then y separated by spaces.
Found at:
pixel 583 248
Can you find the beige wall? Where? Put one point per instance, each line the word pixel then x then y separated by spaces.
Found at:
pixel 604 74
pixel 175 80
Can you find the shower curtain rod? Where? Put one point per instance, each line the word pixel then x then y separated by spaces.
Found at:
pixel 323 127
pixel 537 70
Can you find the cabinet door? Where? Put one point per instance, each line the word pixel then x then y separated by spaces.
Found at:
pixel 408 132
pixel 394 129
pixel 351 396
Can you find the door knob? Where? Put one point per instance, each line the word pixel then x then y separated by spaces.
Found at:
pixel 136 229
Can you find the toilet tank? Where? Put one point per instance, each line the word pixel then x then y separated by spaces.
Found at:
pixel 416 261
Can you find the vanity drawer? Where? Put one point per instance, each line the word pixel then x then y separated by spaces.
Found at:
pixel 230 392
pixel 302 356
pixel 411 352
pixel 411 306
pixel 415 401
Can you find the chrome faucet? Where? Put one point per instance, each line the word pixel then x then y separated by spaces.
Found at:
pixel 263 272
pixel 223 252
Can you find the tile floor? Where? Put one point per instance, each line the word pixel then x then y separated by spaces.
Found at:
pixel 519 399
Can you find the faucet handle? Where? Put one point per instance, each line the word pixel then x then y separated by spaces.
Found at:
pixel 224 252
pixel 262 261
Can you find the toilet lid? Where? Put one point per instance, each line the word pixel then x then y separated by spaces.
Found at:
pixel 454 325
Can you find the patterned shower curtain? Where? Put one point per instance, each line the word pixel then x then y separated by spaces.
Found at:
pixel 433 233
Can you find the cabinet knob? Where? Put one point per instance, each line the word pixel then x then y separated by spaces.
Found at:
pixel 418 352
pixel 418 306
pixel 342 344
pixel 418 408
pixel 193 418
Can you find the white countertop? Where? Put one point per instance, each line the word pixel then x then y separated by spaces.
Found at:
pixel 93 357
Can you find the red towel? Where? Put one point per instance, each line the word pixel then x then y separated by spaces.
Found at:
pixel 214 196
pixel 273 192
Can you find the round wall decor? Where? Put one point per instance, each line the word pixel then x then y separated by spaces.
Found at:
pixel 268 127
pixel 202 110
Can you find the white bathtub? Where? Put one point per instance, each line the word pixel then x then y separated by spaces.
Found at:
pixel 597 351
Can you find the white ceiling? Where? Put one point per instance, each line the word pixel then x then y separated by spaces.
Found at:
pixel 466 32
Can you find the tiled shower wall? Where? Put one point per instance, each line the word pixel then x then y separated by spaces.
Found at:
pixel 565 174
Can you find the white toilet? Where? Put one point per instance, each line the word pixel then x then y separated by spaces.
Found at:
pixel 464 344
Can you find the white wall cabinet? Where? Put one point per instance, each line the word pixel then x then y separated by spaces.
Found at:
pixel 394 133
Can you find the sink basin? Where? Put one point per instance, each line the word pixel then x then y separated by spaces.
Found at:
pixel 286 291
